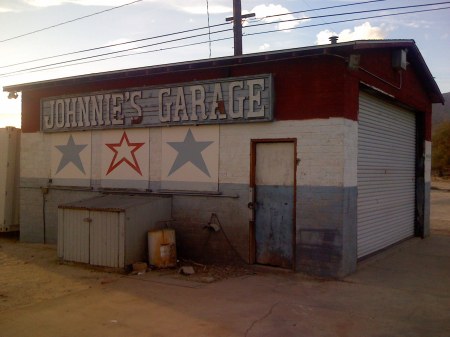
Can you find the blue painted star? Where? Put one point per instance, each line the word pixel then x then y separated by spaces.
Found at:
pixel 70 154
pixel 189 150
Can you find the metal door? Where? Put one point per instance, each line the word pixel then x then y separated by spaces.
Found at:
pixel 386 174
pixel 274 202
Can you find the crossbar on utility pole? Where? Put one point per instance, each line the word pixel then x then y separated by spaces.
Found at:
pixel 237 25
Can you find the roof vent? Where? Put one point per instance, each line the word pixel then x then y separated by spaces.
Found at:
pixel 333 39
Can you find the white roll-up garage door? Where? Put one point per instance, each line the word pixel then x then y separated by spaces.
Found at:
pixel 386 174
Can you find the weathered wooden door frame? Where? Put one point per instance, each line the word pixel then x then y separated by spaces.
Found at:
pixel 252 227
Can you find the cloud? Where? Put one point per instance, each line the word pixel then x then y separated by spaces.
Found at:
pixel 189 6
pixel 265 11
pixel 12 6
pixel 44 3
pixel 200 8
pixel 49 3
pixel 362 32
pixel 417 24
pixel 264 47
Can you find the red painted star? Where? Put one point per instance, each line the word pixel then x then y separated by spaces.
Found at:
pixel 124 152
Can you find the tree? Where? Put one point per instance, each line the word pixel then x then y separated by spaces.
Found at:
pixel 440 159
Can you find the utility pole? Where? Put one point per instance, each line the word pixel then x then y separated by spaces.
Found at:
pixel 237 25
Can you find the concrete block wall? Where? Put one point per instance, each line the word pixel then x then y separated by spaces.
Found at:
pixel 326 193
pixel 326 230
pixel 35 156
pixel 96 161
pixel 31 216
pixel 34 173
pixel 38 204
pixel 195 240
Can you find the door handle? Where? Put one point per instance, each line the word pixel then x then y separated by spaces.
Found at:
pixel 251 205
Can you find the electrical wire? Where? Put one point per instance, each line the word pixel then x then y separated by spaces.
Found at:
pixel 69 21
pixel 310 8
pixel 64 63
pixel 113 52
pixel 350 13
pixel 314 10
pixel 116 44
pixel 213 26
pixel 349 20
pixel 158 36
pixel 134 54
pixel 324 8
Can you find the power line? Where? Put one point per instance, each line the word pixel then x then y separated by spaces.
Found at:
pixel 323 8
pixel 116 44
pixel 348 20
pixel 153 37
pixel 349 13
pixel 134 54
pixel 64 64
pixel 115 52
pixel 310 8
pixel 213 26
pixel 69 21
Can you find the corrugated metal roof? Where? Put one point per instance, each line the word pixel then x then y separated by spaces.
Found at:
pixel 229 61
pixel 111 203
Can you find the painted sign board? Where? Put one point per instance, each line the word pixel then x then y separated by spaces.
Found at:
pixel 229 100
pixel 190 158
pixel 71 156
pixel 125 158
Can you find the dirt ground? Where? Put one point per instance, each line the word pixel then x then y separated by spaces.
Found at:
pixel 440 183
pixel 31 273
pixel 440 206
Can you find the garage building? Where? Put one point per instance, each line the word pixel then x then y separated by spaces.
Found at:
pixel 307 159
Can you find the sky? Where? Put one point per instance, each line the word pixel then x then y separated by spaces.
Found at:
pixel 43 29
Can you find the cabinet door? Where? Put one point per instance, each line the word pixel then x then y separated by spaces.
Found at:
pixel 105 239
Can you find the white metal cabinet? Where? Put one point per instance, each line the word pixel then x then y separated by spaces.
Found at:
pixel 109 231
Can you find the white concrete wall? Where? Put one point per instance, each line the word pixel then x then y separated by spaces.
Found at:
pixel 326 179
pixel 327 149
pixel 35 155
